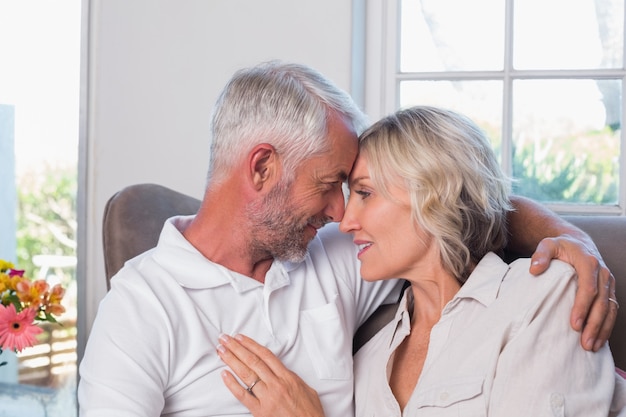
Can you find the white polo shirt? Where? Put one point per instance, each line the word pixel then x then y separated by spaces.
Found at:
pixel 152 348
pixel 503 347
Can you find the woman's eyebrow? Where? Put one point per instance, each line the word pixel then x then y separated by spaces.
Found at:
pixel 356 180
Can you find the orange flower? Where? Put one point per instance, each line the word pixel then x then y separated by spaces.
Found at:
pixel 52 303
pixel 4 282
pixel 32 294
pixel 17 330
pixel 9 281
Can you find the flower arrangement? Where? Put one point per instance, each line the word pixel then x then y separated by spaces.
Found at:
pixel 23 304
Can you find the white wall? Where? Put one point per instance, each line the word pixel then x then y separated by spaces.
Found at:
pixel 155 69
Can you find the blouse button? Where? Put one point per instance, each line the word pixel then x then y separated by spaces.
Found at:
pixel 556 400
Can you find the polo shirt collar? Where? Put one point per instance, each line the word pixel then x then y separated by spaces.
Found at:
pixel 194 271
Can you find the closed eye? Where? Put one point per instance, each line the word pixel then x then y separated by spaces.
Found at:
pixel 331 186
pixel 334 184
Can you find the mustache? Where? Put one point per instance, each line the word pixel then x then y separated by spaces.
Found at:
pixel 319 222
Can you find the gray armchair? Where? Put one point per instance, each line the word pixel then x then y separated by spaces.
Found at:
pixel 133 218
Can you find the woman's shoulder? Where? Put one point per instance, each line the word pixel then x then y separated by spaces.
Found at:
pixel 519 286
pixel 557 272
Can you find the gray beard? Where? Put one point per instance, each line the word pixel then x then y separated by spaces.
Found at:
pixel 276 231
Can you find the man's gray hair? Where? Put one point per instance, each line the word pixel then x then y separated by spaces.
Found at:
pixel 286 105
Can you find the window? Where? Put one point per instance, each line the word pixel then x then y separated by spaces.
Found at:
pixel 39 123
pixel 543 78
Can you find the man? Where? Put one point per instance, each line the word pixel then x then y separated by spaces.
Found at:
pixel 258 259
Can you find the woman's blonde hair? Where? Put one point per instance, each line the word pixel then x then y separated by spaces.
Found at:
pixel 457 189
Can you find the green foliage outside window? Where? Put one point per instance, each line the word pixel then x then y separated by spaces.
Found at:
pixel 582 170
pixel 46 218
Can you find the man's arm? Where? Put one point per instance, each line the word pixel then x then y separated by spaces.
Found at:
pixel 123 364
pixel 533 227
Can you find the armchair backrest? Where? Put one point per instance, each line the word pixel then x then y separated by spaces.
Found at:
pixel 133 219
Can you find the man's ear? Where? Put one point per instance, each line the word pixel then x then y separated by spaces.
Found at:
pixel 263 165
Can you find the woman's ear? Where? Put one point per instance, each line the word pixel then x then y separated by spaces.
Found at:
pixel 263 166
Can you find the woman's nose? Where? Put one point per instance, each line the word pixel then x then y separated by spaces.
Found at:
pixel 348 223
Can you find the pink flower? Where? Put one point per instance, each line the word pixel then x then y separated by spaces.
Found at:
pixel 17 330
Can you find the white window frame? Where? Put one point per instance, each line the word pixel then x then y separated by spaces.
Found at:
pixel 383 77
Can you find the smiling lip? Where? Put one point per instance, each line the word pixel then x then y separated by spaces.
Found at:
pixel 363 247
pixel 312 227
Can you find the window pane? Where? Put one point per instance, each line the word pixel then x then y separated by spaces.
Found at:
pixel 479 100
pixel 568 34
pixel 39 82
pixel 441 35
pixel 566 140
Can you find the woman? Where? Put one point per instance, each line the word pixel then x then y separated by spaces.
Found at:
pixel 472 334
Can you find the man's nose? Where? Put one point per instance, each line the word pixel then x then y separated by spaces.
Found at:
pixel 336 206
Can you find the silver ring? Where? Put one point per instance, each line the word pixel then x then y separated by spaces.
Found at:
pixel 249 388
pixel 613 300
